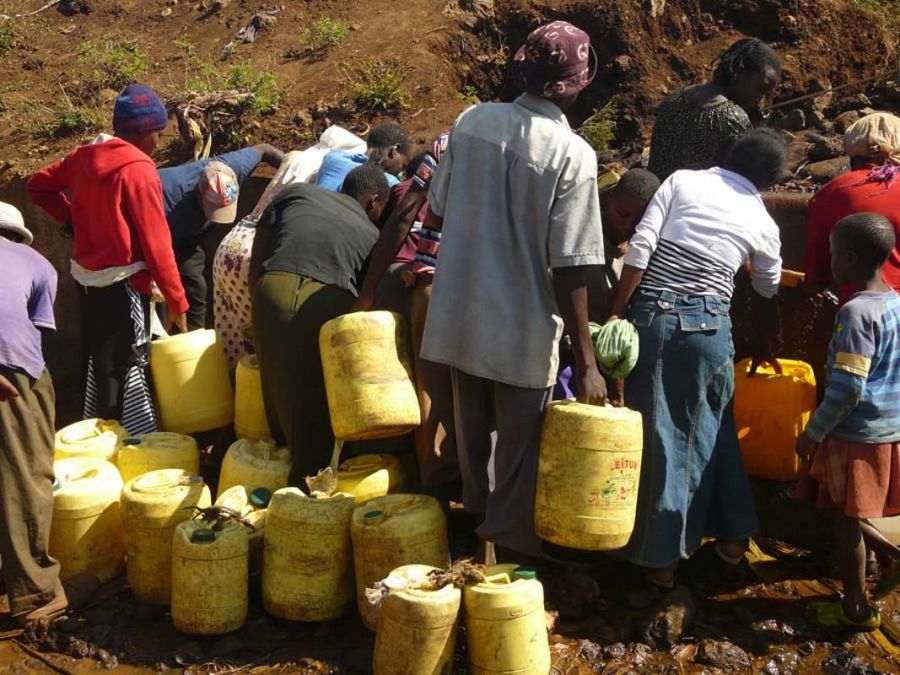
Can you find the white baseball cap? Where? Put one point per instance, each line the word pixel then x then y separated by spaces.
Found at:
pixel 218 188
pixel 11 220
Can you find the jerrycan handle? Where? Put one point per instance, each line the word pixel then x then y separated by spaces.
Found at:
pixel 500 578
pixel 266 446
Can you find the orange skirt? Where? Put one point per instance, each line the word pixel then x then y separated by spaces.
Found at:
pixel 863 480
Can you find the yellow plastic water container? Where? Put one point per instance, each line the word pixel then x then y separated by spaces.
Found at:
pixel 158 450
pixel 588 475
pixel 308 558
pixel 191 382
pixel 506 629
pixel 770 412
pixel 369 476
pixel 368 376
pixel 153 505
pixel 416 626
pixel 392 531
pixel 256 463
pixel 250 419
pixel 86 534
pixel 209 578
pixel 94 438
pixel 251 503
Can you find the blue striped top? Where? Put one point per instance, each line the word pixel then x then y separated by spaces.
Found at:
pixel 862 398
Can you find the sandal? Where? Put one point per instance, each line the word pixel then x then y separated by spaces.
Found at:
pixel 831 615
pixel 888 582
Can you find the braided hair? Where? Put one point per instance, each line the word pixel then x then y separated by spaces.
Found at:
pixel 749 55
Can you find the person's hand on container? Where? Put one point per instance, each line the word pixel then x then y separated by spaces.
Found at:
pixel 177 320
pixel 364 303
pixel 591 385
pixel 806 448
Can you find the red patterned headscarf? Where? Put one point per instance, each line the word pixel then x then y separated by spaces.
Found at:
pixel 554 62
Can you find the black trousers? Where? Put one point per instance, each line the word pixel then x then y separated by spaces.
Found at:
pixel 191 260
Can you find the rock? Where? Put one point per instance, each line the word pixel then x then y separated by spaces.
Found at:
pixel 670 618
pixel 724 655
pixel 817 119
pixel 108 660
pixel 842 662
pixel 590 651
pixel 166 11
pixel 656 7
pixel 623 63
pixel 614 651
pixel 820 102
pixel 826 148
pixel 785 663
pixel 73 7
pixel 865 112
pixel 794 120
pixel 845 120
pixel 855 102
pixel 189 654
pixel 483 9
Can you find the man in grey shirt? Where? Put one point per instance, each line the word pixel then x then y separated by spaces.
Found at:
pixel 516 217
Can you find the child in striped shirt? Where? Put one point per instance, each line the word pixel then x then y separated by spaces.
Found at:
pixel 851 446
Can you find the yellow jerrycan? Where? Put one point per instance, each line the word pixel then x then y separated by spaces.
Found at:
pixel 506 629
pixel 158 450
pixel 307 557
pixel 588 475
pixel 86 534
pixel 416 625
pixel 250 419
pixel 252 505
pixel 368 376
pixel 392 531
pixel 191 382
pixel 153 505
pixel 770 413
pixel 209 577
pixel 368 476
pixel 256 463
pixel 94 438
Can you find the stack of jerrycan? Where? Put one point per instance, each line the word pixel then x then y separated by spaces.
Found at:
pixel 506 628
pixel 86 533
pixel 252 506
pixel 770 412
pixel 588 475
pixel 369 476
pixel 94 438
pixel 392 531
pixel 256 463
pixel 416 625
pixel 191 382
pixel 307 556
pixel 158 450
pixel 153 505
pixel 250 419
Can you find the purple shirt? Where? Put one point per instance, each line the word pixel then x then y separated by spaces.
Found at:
pixel 28 288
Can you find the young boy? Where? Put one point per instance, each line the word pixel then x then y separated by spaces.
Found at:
pixel 851 445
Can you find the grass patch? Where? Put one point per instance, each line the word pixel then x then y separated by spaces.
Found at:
pixel 323 34
pixel 889 9
pixel 599 129
pixel 266 94
pixel 469 95
pixel 112 65
pixel 377 85
pixel 9 38
pixel 70 119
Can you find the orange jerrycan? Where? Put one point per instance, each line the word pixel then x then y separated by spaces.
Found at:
pixel 770 412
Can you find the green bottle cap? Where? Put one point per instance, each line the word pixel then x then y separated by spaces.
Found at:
pixel 202 536
pixel 374 514
pixel 524 573
pixel 260 497
pixel 131 441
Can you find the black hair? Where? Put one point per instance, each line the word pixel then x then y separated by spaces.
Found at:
pixel 415 163
pixel 366 179
pixel 638 184
pixel 869 235
pixel 749 55
pixel 759 156
pixel 386 136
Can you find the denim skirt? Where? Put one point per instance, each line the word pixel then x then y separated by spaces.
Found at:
pixel 693 482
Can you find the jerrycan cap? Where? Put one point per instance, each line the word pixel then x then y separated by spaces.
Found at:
pixel 524 573
pixel 260 497
pixel 202 536
pixel 131 441
pixel 56 484
pixel 374 516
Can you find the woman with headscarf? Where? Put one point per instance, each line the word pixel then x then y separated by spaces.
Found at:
pixel 872 184
pixel 697 125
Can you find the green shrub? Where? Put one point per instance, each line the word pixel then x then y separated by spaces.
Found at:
pixel 377 84
pixel 599 129
pixel 9 38
pixel 889 9
pixel 266 94
pixel 70 119
pixel 323 34
pixel 469 95
pixel 113 65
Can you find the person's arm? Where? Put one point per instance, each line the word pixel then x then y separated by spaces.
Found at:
pixel 631 279
pixel 765 275
pixel 143 195
pixel 391 238
pixel 47 188
pixel 269 154
pixel 570 288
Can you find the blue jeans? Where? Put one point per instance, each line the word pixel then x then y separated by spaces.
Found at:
pixel 693 482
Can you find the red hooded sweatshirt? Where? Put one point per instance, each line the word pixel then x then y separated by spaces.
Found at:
pixel 116 213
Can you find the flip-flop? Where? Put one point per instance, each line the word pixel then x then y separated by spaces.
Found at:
pixel 831 615
pixel 888 582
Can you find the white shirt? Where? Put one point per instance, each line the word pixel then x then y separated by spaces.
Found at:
pixel 699 229
pixel 517 190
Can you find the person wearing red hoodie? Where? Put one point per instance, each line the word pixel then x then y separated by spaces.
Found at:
pixel 121 246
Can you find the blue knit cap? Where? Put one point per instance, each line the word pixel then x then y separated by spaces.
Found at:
pixel 139 110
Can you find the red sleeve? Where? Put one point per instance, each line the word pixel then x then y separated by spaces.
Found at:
pixel 819 223
pixel 45 188
pixel 143 193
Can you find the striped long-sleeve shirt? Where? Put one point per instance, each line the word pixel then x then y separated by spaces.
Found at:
pixel 862 399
